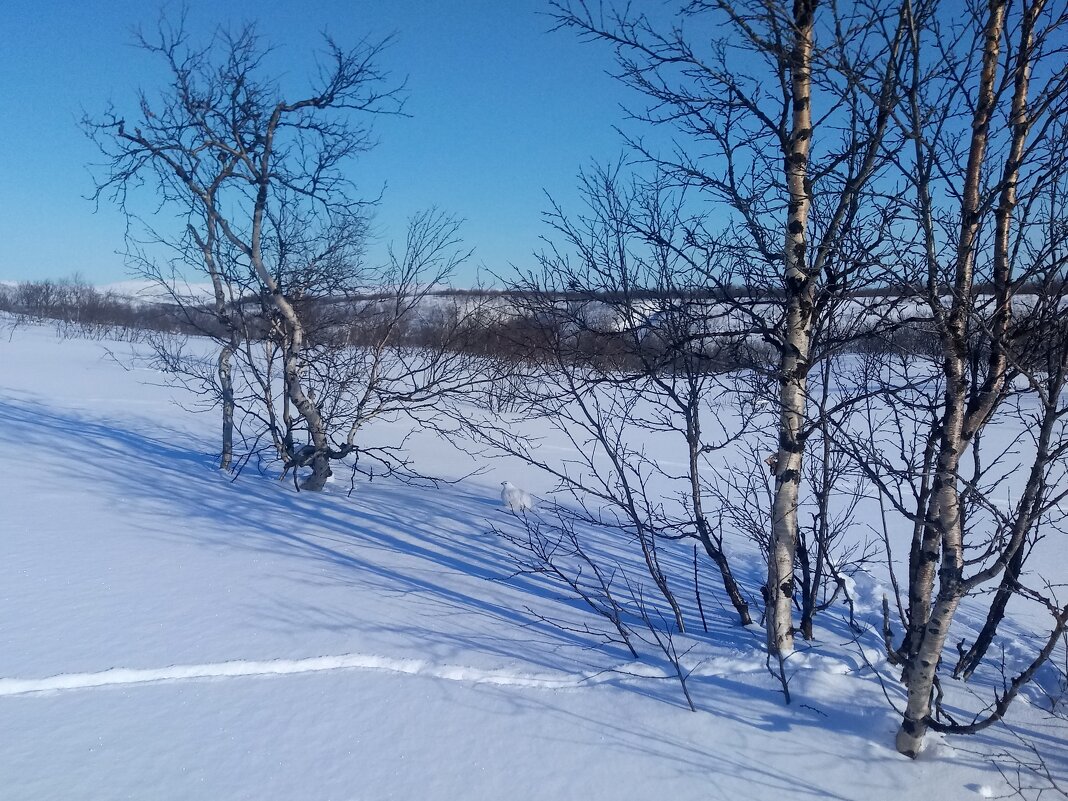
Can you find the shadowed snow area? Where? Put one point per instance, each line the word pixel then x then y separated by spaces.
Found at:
pixel 168 633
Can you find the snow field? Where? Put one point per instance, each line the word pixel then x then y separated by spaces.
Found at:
pixel 166 633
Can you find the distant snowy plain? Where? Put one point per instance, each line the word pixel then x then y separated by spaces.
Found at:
pixel 167 633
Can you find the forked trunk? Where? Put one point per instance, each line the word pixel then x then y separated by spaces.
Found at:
pixel 320 462
pixel 962 420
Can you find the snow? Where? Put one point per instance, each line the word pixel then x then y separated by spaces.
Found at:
pixel 167 633
pixel 150 291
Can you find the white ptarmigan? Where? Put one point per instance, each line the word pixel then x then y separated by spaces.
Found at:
pixel 514 498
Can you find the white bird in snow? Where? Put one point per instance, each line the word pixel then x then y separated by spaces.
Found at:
pixel 514 498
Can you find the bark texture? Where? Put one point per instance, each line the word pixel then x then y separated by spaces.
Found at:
pixel 794 362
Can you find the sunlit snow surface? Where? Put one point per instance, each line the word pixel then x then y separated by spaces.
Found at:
pixel 166 633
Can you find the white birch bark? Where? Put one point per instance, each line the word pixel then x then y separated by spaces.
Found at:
pixel 794 362
pixel 961 421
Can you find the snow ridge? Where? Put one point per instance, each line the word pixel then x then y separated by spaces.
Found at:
pixel 280 667
pixel 277 667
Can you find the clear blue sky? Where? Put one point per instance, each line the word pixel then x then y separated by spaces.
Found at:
pixel 502 111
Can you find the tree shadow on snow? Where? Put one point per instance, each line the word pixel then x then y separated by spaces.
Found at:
pixel 430 553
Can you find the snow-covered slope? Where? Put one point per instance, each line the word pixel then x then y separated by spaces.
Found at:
pixel 152 292
pixel 166 633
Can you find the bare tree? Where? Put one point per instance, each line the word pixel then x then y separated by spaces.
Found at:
pixel 789 113
pixel 627 350
pixel 254 173
pixel 259 183
pixel 981 251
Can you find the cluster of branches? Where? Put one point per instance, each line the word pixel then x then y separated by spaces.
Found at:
pixel 888 179
pixel 312 341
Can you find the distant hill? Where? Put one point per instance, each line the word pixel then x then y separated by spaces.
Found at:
pixel 147 291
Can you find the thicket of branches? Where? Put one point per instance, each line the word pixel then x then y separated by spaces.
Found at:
pixel 313 340
pixel 841 275
pixel 81 309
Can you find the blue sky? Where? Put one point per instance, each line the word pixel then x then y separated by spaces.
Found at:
pixel 502 111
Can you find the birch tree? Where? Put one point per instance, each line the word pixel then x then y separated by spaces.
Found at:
pixel 1001 69
pixel 797 337
pixel 783 123
pixel 258 178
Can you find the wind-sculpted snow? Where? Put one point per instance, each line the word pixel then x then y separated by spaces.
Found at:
pixel 282 667
pixel 557 680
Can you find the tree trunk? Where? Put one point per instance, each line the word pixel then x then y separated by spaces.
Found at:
pixel 922 674
pixel 224 315
pixel 320 462
pixel 294 330
pixel 715 553
pixel 922 572
pixel 794 360
pixel 713 546
pixel 960 423
pixel 321 473
pixel 226 384
pixel 923 552
pixel 971 659
pixel 808 590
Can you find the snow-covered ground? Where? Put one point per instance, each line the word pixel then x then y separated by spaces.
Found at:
pixel 166 633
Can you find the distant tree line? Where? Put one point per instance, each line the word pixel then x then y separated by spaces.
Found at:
pixel 81 309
